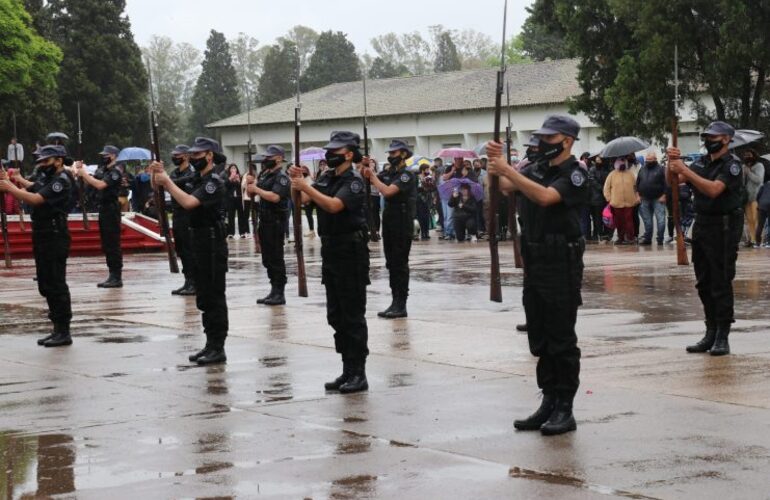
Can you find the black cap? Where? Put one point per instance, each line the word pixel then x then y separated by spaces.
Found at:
pixel 399 145
pixel 275 150
pixel 110 150
pixel 533 142
pixel 180 149
pixel 559 124
pixel 344 139
pixel 204 144
pixel 57 136
pixel 51 151
pixel 719 128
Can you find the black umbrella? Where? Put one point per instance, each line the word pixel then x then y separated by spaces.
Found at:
pixel 56 136
pixel 623 146
pixel 743 137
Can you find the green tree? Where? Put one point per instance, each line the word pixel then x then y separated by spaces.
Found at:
pixel 28 69
pixel 305 39
pixel 216 92
pixel 333 61
pixel 102 69
pixel 380 68
pixel 446 54
pixel 248 59
pixel 540 39
pixel 279 75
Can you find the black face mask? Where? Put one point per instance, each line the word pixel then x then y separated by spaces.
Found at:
pixel 268 164
pixel 106 160
pixel 394 161
pixel 177 161
pixel 199 163
pixel 652 164
pixel 713 147
pixel 47 168
pixel 533 156
pixel 334 160
pixel 550 151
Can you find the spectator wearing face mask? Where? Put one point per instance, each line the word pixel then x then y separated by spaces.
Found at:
pixel 651 186
pixel 620 193
pixel 465 207
pixel 141 191
pixel 753 174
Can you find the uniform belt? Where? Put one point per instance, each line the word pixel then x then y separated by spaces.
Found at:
pixel 54 224
pixel 551 240
pixel 214 232
pixel 718 219
pixel 360 235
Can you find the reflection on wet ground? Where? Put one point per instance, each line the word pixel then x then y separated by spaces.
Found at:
pixel 142 422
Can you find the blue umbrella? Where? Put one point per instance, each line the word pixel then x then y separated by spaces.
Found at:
pixel 134 154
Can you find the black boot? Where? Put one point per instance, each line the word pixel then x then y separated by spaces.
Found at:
pixel 357 381
pixel 384 314
pixel 339 381
pixel 706 342
pixel 721 346
pixel 521 328
pixel 561 420
pixel 215 355
pixel 178 290
pixel 195 357
pixel 541 415
pixel 114 281
pixel 268 296
pixel 399 309
pixel 278 299
pixel 189 289
pixel 61 337
pixel 42 341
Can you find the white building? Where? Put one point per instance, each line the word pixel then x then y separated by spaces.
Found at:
pixel 431 112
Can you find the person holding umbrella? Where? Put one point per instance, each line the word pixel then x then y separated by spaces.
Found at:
pixel 554 190
pixel 107 180
pixel 399 188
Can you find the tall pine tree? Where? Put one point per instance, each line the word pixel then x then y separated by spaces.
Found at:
pixel 279 74
pixel 333 61
pixel 216 92
pixel 102 69
pixel 446 54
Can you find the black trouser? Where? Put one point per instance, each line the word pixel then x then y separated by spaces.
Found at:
pixel 210 250
pixel 397 228
pixel 551 310
pixel 374 206
pixel 761 221
pixel 715 242
pixel 51 246
pixel 309 215
pixel 109 230
pixel 597 223
pixel 464 224
pixel 423 217
pixel 183 242
pixel 236 208
pixel 345 274
pixel 271 238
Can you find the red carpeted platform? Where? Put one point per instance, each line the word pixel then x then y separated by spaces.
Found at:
pixel 138 234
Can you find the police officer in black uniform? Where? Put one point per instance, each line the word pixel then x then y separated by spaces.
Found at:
pixel 107 180
pixel 273 188
pixel 50 197
pixel 399 187
pixel 184 177
pixel 555 191
pixel 717 181
pixel 206 205
pixel 340 197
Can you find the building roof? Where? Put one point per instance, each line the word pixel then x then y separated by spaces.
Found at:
pixel 549 82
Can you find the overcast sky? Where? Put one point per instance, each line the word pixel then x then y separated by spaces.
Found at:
pixel 191 20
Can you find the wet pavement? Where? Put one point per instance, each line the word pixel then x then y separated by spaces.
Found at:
pixel 122 414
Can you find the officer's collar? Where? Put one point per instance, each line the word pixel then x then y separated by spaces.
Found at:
pixel 566 164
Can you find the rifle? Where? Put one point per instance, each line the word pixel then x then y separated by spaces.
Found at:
pixel 512 224
pixel 673 180
pixel 253 173
pixel 297 199
pixel 158 193
pixel 81 184
pixel 4 227
pixel 17 165
pixel 367 183
pixel 495 287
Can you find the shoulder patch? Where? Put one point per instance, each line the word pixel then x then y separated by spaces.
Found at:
pixel 405 177
pixel 211 188
pixel 115 176
pixel 578 178
pixel 284 181
pixel 735 169
pixel 57 187
pixel 356 186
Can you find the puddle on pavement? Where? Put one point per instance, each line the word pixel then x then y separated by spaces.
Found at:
pixel 352 487
pixel 124 339
pixel 566 480
pixel 279 389
pixel 400 380
pixel 37 466
pixel 273 362
pixel 353 420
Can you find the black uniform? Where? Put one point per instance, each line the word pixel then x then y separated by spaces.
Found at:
pixel 716 236
pixel 345 263
pixel 398 228
pixel 552 247
pixel 186 181
pixel 208 233
pixel 51 244
pixel 109 218
pixel 272 218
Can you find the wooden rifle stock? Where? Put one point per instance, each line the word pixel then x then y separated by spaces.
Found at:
pixel 297 201
pixel 495 286
pixel 254 210
pixel 4 227
pixel 673 180
pixel 512 222
pixel 160 204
